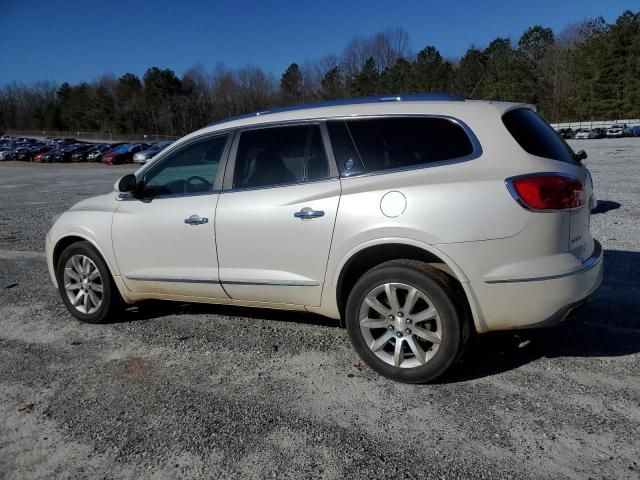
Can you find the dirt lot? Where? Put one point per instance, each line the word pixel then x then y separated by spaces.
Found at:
pixel 183 391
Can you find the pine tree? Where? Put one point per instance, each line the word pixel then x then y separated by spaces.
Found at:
pixel 469 76
pixel 366 82
pixel 398 78
pixel 331 85
pixel 291 85
pixel 431 73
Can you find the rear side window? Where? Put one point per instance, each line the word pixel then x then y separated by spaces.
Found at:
pixel 392 143
pixel 344 150
pixel 536 136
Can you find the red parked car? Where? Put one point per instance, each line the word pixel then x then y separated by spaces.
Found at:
pixel 37 155
pixel 123 153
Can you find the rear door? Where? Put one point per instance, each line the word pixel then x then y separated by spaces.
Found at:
pixel 276 214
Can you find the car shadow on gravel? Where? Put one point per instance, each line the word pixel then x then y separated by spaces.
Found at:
pixel 606 326
pixel 152 309
pixel 604 206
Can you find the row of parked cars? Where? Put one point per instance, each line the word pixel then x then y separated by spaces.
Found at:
pixel 614 131
pixel 58 150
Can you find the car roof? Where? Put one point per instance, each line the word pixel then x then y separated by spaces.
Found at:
pixel 426 103
pixel 425 97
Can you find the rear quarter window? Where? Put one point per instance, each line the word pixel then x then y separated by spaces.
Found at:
pixel 396 143
pixel 536 136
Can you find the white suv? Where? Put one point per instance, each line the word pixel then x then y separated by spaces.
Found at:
pixel 416 220
pixel 619 130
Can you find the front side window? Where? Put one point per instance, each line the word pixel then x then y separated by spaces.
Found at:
pixel 187 171
pixel 280 156
pixel 391 143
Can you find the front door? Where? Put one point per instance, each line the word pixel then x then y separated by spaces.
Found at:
pixel 164 235
pixel 275 219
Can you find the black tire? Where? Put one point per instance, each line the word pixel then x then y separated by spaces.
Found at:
pixel 111 302
pixel 444 295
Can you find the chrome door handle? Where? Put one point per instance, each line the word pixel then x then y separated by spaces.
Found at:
pixel 307 213
pixel 196 220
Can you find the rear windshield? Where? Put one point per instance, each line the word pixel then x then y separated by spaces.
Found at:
pixel 536 136
pixel 122 148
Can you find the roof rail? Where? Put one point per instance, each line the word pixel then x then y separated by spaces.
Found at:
pixel 405 97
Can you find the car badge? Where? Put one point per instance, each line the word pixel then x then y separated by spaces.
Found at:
pixel 348 164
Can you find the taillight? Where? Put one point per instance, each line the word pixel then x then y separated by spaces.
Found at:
pixel 551 191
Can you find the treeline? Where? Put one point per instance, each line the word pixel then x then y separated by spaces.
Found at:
pixel 589 71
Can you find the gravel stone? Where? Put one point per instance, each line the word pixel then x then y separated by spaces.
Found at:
pixel 202 391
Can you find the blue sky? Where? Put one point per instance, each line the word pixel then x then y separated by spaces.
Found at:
pixel 70 40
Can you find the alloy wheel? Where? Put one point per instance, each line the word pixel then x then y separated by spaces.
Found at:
pixel 400 324
pixel 83 284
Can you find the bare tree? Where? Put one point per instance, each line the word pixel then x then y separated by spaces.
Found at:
pixel 355 55
pixel 389 46
pixel 197 101
pixel 224 90
pixel 257 89
pixel 314 70
pixel 384 47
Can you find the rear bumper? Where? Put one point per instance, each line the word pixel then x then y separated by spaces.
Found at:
pixel 560 316
pixel 544 297
pixel 537 300
pixel 593 261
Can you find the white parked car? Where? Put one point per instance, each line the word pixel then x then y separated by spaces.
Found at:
pixel 146 155
pixel 619 130
pixel 415 220
pixel 584 133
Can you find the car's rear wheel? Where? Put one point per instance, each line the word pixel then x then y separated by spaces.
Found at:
pixel 85 284
pixel 407 321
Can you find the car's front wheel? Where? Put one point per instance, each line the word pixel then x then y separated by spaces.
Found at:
pixel 85 284
pixel 407 321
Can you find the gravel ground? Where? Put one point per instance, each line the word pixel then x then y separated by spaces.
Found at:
pixel 182 391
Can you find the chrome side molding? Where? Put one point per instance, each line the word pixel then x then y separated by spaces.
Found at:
pixel 273 283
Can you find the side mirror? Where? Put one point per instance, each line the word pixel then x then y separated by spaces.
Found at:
pixel 581 155
pixel 126 184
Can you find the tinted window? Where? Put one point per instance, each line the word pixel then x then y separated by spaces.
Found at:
pixel 536 136
pixel 191 169
pixel 280 156
pixel 389 143
pixel 344 151
pixel 122 148
pixel 317 166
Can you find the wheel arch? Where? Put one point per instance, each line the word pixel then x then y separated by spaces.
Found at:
pixel 364 257
pixel 71 238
